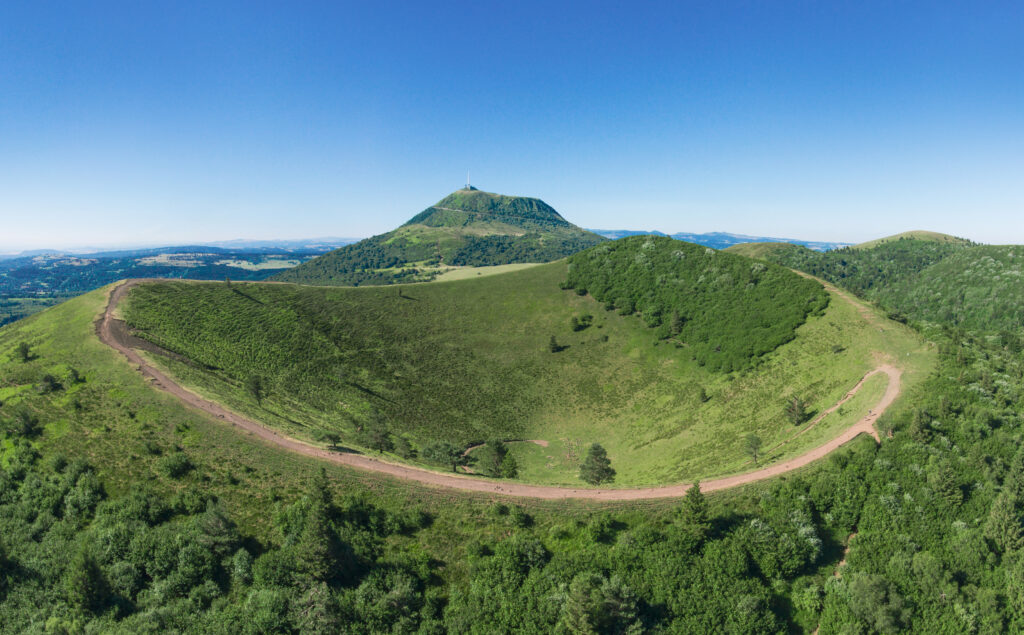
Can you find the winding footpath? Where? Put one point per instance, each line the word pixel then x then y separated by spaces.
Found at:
pixel 114 333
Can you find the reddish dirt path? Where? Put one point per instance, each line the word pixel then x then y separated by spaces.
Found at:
pixel 113 333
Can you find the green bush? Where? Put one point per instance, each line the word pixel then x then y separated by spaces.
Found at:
pixel 175 465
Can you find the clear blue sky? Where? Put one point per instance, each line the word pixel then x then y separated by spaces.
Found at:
pixel 140 122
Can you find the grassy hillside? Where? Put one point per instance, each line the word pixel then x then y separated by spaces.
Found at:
pixel 761 251
pixel 123 511
pixel 467 228
pixel 101 530
pixel 920 235
pixel 471 360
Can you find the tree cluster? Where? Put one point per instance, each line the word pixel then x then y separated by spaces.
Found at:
pixel 728 309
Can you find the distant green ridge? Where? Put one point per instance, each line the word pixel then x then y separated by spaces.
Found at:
pixel 761 251
pixel 927 236
pixel 468 227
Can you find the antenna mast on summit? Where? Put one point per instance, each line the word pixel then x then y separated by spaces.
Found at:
pixel 467 180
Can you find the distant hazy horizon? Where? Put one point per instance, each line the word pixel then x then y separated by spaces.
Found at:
pixel 185 122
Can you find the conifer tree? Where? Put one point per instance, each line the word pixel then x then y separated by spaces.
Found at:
pixel 509 467
pixel 376 435
pixel 753 446
pixel 694 512
pixel 1003 527
pixel 943 482
pixel 677 323
pixel 796 410
pixel 316 551
pixel 254 386
pixel 84 585
pixel 596 467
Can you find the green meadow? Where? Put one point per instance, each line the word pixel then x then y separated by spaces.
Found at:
pixel 470 360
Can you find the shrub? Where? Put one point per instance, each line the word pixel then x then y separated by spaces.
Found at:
pixel 175 465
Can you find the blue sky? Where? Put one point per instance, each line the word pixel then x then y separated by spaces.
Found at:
pixel 131 122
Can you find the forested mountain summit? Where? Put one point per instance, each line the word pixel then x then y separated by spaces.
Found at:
pixel 468 227
pixel 470 206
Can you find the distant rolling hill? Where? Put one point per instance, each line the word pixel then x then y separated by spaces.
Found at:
pixel 926 236
pixel 921 276
pixel 32 281
pixel 762 251
pixel 466 228
pixel 719 240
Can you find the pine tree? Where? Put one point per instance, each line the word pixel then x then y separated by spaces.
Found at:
pixel 677 323
pixel 444 453
pixel 1003 527
pixel 596 467
pixel 509 467
pixel 595 606
pixel 919 429
pixel 84 585
pixel 254 386
pixel 316 611
pixel 796 410
pixel 694 512
pixel 316 552
pixel 580 612
pixel 753 446
pixel 943 481
pixel 376 435
pixel 496 453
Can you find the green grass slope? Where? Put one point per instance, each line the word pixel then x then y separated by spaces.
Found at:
pixel 760 251
pixel 467 228
pixel 471 360
pixel 921 235
pixel 161 501
pixel 93 483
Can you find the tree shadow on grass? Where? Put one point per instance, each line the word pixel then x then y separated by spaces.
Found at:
pixel 367 391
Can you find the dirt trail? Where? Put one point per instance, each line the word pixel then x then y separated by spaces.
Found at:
pixel 113 332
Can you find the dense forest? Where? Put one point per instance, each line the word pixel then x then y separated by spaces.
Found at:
pixel 962 284
pixel 685 291
pixel 932 518
pixel 947 486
